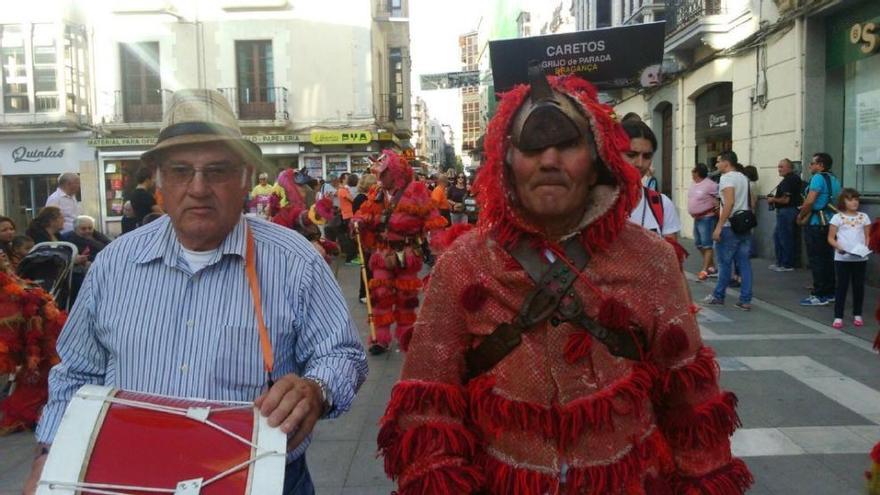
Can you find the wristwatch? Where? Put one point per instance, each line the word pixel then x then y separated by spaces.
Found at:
pixel 326 398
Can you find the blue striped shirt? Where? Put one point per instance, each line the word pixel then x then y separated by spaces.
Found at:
pixel 144 322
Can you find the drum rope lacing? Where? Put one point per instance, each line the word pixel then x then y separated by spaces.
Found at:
pixel 199 414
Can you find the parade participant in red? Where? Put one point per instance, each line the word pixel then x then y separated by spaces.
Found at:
pixel 294 215
pixel 29 327
pixel 392 222
pixel 556 350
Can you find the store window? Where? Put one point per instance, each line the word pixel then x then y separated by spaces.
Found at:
pixel 119 181
pixel 714 120
pixel 15 78
pixel 314 165
pixel 337 164
pixel 361 164
pixel 853 69
pixel 76 69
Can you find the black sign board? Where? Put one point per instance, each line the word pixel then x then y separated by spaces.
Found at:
pixel 619 57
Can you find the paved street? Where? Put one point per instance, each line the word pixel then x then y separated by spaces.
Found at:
pixel 809 397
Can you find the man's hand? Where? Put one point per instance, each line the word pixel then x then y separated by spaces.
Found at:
pixel 294 404
pixel 30 485
pixel 716 234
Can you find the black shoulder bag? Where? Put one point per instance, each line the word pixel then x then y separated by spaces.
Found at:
pixel 743 221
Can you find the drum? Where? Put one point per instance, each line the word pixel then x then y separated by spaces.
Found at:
pixel 117 442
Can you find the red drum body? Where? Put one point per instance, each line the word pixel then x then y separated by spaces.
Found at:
pixel 117 442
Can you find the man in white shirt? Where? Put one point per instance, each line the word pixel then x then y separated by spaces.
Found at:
pixel 65 199
pixel 730 246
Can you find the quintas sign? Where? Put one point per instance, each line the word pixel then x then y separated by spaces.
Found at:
pixel 341 137
pixel 33 155
pixel 621 57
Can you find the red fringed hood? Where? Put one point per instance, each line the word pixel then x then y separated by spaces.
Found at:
pixel 609 206
pixel 399 173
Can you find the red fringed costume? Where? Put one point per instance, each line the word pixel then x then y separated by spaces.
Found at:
pixel 294 215
pixel 560 413
pixel 392 223
pixel 30 324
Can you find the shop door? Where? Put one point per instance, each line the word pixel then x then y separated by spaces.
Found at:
pixel 25 195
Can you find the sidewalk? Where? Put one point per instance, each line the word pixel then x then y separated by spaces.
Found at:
pixel 786 289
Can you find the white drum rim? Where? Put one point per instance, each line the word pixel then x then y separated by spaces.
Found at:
pixel 266 475
pixel 75 439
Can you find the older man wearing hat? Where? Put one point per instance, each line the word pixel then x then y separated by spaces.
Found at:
pixel 288 344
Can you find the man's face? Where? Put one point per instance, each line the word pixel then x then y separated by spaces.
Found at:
pixel 816 167
pixel 203 207
pixel 263 180
pixel 783 168
pixel 72 186
pixel 724 166
pixel 553 184
pixel 85 229
pixel 640 154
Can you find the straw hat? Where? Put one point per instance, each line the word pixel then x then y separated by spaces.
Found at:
pixel 201 116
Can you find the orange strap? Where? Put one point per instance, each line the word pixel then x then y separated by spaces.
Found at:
pixel 250 269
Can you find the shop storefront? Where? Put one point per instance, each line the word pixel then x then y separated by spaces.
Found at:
pixel 853 71
pixel 714 119
pixel 30 166
pixel 336 151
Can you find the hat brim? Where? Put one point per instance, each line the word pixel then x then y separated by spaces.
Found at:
pixel 247 149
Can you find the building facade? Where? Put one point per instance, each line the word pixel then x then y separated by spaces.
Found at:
pixel 316 85
pixel 470 95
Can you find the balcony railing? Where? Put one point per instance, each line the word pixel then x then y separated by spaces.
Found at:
pixel 258 103
pixel 392 108
pixel 682 13
pixel 133 109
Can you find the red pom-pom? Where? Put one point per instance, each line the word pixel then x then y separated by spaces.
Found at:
pixel 577 347
pixel 324 208
pixel 673 342
pixel 614 314
pixel 473 297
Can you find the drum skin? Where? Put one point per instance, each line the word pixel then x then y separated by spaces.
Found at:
pixel 139 447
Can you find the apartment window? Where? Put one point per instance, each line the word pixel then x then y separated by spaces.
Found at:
pixel 45 58
pixel 15 78
pixel 603 13
pixel 256 80
pixel 395 99
pixel 141 83
pixel 76 70
pixel 395 8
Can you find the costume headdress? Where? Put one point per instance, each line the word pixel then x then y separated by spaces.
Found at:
pixel 397 171
pixel 551 112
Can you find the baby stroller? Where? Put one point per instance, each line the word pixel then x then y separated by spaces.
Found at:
pixel 50 265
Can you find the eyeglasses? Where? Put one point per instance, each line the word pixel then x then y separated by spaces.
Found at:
pixel 212 174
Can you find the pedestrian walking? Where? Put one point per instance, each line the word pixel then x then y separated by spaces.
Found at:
pixel 815 214
pixel 732 240
pixel 456 194
pixel 703 208
pixel 848 234
pixel 785 201
pixel 64 198
pixel 177 307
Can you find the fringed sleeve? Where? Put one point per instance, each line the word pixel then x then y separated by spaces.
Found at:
pixel 693 413
pixel 427 446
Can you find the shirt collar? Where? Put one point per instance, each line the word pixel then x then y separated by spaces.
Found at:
pixel 165 245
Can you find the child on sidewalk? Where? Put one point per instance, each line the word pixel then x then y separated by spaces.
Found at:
pixel 848 235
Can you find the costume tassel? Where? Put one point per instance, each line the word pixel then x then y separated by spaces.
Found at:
pixel 733 478
pixel 703 425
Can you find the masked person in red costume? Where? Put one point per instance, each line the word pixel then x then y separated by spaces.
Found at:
pixel 392 223
pixel 572 361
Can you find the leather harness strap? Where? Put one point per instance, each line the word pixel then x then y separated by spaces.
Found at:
pixel 551 298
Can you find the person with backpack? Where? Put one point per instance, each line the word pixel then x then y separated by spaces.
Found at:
pixel 654 211
pixel 815 215
pixel 733 233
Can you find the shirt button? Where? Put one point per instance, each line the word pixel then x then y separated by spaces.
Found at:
pixel 190 324
pixel 184 368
